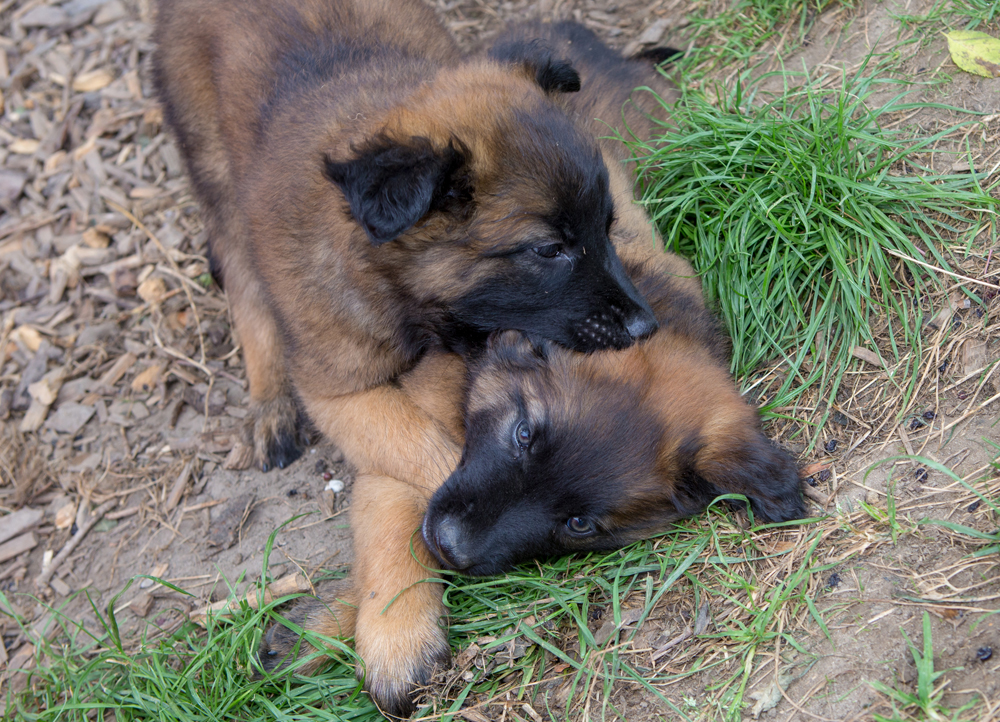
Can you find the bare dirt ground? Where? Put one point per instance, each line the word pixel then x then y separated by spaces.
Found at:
pixel 123 389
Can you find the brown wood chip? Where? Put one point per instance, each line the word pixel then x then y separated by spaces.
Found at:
pixel 19 522
pixel 17 545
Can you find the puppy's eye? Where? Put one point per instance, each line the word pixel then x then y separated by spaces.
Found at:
pixel 522 435
pixel 549 251
pixel 581 526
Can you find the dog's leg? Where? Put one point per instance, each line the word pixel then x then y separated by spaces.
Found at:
pixel 271 428
pixel 331 614
pixel 397 622
pixel 400 633
pixel 383 432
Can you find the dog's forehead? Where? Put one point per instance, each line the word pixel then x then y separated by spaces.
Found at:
pixel 500 386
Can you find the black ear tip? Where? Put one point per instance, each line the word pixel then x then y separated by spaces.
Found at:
pixel 659 55
pixel 559 76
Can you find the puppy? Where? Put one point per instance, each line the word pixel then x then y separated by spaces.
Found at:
pixel 371 198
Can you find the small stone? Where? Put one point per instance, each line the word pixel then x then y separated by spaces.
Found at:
pixel 334 485
pixel 327 476
pixel 152 290
pixel 93 238
pixel 139 410
pixel 92 334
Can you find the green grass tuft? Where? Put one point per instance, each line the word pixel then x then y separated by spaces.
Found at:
pixel 805 216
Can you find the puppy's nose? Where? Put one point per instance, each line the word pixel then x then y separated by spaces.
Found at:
pixel 445 542
pixel 641 325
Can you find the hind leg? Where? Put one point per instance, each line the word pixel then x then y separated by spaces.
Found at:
pixel 331 614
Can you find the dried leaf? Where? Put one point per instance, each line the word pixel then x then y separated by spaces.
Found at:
pixel 94 80
pixel 152 290
pixel 24 146
pixel 868 356
pixel 145 381
pixel 66 516
pixel 975 52
pixel 29 337
pixel 93 238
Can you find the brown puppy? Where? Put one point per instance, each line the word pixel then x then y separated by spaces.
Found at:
pixel 566 452
pixel 369 198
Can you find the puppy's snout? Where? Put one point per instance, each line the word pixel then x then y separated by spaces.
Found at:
pixel 641 325
pixel 443 538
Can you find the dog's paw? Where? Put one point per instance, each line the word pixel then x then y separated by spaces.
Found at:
pixel 400 649
pixel 282 646
pixel 273 430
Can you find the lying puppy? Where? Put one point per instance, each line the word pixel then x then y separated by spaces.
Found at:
pixel 384 530
pixel 566 452
pixel 371 197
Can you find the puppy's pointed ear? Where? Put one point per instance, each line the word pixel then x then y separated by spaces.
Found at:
pixel 390 185
pixel 539 61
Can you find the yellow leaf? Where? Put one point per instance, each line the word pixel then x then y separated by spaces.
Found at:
pixel 975 52
pixel 94 80
pixel 23 146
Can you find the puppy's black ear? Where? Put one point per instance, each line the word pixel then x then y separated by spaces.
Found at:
pixel 658 55
pixel 538 59
pixel 389 185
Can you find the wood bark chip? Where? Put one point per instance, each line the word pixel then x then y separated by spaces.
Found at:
pixel 107 382
pixel 19 522
pixel 292 584
pixel 177 490
pixel 17 546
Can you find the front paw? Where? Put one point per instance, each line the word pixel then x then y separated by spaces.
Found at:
pixel 273 433
pixel 328 616
pixel 400 648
